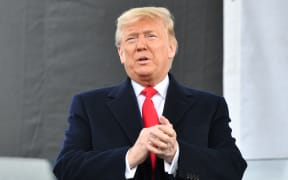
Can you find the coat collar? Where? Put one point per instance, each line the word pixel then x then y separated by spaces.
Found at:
pixel 123 105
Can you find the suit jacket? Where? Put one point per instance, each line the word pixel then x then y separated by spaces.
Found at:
pixel 104 123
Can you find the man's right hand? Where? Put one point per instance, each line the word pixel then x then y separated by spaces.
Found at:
pixel 138 153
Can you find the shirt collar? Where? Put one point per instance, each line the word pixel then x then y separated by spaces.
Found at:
pixel 160 87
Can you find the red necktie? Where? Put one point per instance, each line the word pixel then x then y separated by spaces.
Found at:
pixel 150 118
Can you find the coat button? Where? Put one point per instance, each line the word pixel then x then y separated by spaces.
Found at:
pixel 194 177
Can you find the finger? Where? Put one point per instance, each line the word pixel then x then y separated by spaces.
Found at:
pixel 153 148
pixel 164 144
pixel 161 133
pixel 161 152
pixel 159 143
pixel 163 120
pixel 167 130
pixel 163 140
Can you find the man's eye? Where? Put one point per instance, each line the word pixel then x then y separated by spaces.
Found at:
pixel 130 39
pixel 151 36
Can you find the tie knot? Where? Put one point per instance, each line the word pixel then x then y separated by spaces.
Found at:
pixel 149 92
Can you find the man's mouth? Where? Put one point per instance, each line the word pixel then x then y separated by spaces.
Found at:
pixel 143 58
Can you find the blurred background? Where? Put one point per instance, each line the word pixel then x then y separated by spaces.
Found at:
pixel 53 49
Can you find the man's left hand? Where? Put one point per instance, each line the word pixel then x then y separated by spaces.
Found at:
pixel 162 140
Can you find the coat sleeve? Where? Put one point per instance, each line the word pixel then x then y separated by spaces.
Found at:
pixel 78 160
pixel 220 160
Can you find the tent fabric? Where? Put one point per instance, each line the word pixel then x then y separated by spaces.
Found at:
pixel 255 82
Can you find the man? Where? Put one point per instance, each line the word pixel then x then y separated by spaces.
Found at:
pixel 111 134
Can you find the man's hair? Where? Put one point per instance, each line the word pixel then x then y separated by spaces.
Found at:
pixel 135 14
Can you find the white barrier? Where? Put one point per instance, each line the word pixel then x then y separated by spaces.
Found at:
pixel 25 169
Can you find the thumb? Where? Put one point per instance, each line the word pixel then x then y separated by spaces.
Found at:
pixel 163 120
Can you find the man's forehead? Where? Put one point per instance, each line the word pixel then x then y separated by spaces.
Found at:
pixel 143 26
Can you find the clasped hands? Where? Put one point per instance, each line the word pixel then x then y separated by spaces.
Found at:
pixel 159 139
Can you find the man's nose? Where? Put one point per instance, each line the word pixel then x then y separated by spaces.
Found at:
pixel 141 44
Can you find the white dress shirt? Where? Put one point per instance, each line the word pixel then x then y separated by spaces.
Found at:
pixel 159 101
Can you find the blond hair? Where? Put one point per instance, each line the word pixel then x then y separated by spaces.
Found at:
pixel 135 14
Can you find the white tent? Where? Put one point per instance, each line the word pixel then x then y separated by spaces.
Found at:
pixel 256 75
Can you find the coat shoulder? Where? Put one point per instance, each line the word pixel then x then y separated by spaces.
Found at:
pixel 202 95
pixel 101 92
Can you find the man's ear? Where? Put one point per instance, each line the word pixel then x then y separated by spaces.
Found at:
pixel 171 50
pixel 121 55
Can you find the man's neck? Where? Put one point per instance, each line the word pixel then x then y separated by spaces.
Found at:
pixel 146 82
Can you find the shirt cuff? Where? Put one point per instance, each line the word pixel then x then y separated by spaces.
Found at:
pixel 129 173
pixel 172 168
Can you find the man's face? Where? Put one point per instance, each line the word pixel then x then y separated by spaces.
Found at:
pixel 146 51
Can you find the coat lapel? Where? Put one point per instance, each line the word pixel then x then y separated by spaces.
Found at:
pixel 123 104
pixel 178 101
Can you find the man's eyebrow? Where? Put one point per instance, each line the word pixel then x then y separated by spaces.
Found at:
pixel 136 33
pixel 148 31
pixel 132 34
